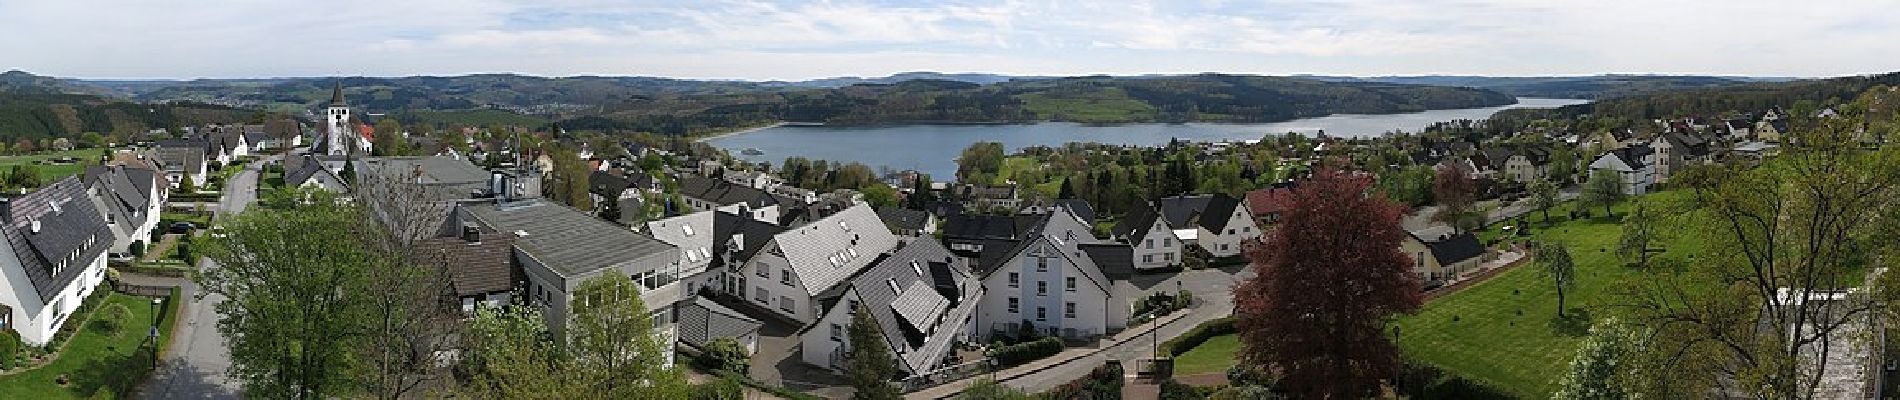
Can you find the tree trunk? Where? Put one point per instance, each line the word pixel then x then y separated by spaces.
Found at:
pixel 1560 300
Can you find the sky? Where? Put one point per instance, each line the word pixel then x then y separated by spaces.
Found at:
pixel 794 40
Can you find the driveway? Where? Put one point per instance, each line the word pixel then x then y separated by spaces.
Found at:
pixel 195 365
pixel 780 361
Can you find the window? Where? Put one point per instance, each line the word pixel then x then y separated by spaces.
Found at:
pixel 1042 288
pixel 837 333
pixel 1068 310
pixel 1042 314
pixel 1230 231
pixel 1223 247
pixel 764 272
pixel 785 276
pixel 1167 242
pixel 1168 257
pixel 760 294
pixel 851 307
pixel 1042 264
pixel 916 268
pixel 1013 279
pixel 1246 229
pixel 1014 305
pixel 1147 258
pixel 1069 283
pixel 786 303
pixel 1151 243
pixel 841 224
pixel 688 229
pixel 893 284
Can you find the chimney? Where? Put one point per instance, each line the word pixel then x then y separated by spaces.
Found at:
pixel 471 234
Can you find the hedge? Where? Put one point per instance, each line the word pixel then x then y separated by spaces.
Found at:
pixel 1105 382
pixel 1017 354
pixel 1200 334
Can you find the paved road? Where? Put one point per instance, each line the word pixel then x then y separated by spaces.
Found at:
pixel 1213 293
pixel 195 366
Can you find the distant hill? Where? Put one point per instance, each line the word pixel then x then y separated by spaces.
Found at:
pixel 1714 101
pixel 1567 87
pixel 976 78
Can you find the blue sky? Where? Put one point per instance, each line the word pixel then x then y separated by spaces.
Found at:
pixel 757 40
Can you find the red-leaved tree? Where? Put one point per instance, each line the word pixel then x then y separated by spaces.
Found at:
pixel 1329 277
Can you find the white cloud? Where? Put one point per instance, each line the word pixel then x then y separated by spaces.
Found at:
pixel 804 39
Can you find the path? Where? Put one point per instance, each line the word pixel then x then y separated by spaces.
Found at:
pixel 1213 287
pixel 165 243
pixel 194 367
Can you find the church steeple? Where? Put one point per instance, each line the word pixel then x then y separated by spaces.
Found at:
pixel 336 97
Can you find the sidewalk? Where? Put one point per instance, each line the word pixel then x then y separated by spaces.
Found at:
pixel 953 388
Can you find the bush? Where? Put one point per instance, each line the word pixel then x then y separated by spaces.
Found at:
pixel 727 388
pixel 724 354
pixel 1017 354
pixel 1105 382
pixel 10 347
pixel 1171 390
pixel 1200 334
pixel 103 393
pixel 111 320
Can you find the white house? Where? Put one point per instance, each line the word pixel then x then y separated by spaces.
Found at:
pixel 55 256
pixel 713 244
pixel 180 158
pixel 702 193
pixel 920 294
pixel 1047 281
pixel 130 201
pixel 789 273
pixel 559 248
pixel 1155 246
pixel 1633 164
pixel 1219 223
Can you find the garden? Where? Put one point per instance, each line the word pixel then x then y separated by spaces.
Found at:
pixel 104 352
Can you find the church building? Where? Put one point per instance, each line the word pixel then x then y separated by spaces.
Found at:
pixel 342 131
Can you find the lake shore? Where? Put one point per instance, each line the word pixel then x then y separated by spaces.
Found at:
pixel 737 132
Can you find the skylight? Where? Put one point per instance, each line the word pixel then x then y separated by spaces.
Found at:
pixel 688 229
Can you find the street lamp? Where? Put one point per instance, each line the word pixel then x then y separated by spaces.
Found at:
pixel 153 334
pixel 989 352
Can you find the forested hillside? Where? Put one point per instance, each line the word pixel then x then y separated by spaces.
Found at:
pixel 1711 102
pixel 37 116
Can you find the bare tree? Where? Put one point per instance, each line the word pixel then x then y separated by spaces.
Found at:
pixel 414 318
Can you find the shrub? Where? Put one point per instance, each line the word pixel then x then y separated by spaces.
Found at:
pixel 137 249
pixel 1194 337
pixel 111 320
pixel 1105 382
pixel 10 347
pixel 1171 390
pixel 727 388
pixel 103 393
pixel 724 354
pixel 1017 354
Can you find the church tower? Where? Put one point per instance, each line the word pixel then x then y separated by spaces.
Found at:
pixel 339 136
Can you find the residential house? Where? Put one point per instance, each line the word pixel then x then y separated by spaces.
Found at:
pixel 1267 203
pixel 558 248
pixel 1634 164
pixel 313 174
pixel 787 276
pixel 985 197
pixel 1155 245
pixel 479 262
pixel 713 245
pixel 702 193
pixel 182 158
pixel 1047 281
pixel 54 257
pixel 1527 164
pixel 907 222
pixel 1739 129
pixel 1675 151
pixel 920 294
pixel 130 201
pixel 231 141
pixel 1216 223
pixel 1440 253
pixel 1771 130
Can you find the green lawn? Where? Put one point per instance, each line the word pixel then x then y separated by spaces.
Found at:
pixel 1211 357
pixel 1505 331
pixel 50 173
pixel 94 358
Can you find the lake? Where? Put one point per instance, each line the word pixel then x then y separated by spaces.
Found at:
pixel 933 149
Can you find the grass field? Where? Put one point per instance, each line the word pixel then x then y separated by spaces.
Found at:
pixel 1505 332
pixel 1107 105
pixel 95 358
pixel 50 173
pixel 1211 357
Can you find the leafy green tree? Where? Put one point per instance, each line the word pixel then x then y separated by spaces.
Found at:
pixel 1554 259
pixel 569 179
pixel 869 364
pixel 293 282
pixel 1639 234
pixel 879 195
pixel 512 357
pixel 1563 165
pixel 1605 188
pixel 725 355
pixel 1607 365
pixel 1543 197
pixel 612 340
pixel 91 139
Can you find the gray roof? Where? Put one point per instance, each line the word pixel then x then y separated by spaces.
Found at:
pixel 180 155
pixel 1184 212
pixel 903 218
pixel 937 293
pixel 445 178
pixel 822 252
pixel 1117 260
pixel 114 195
pixel 1080 208
pixel 67 226
pixel 701 321
pixel 725 193
pixel 565 240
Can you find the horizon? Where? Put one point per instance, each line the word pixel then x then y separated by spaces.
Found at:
pixel 803 40
pixel 893 74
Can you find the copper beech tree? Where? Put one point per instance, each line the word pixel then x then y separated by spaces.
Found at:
pixel 1329 277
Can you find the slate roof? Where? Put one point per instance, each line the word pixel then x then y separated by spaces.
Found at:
pixel 715 231
pixel 180 154
pixel 702 320
pixel 1636 156
pixel 725 193
pixel 444 178
pixel 1496 156
pixel 903 218
pixel 607 185
pixel 483 266
pixel 116 196
pixel 1117 260
pixel 68 226
pixel 144 180
pixel 984 226
pixel 567 241
pixel 1687 145
pixel 306 171
pixel 1137 223
pixel 1455 249
pixel 1080 208
pixel 1184 212
pixel 822 252
pixel 936 292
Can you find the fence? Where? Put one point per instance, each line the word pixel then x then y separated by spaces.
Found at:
pixel 142 290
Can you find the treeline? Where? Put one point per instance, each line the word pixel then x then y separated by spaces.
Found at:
pixel 34 116
pixel 1713 102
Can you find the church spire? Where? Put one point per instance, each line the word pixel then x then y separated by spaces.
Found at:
pixel 336 98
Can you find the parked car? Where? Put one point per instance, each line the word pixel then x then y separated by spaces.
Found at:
pixel 183 227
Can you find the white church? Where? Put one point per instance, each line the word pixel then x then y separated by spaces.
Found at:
pixel 342 131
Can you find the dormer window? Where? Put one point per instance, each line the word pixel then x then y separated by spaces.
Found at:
pixel 688 229
pixel 893 283
pixel 841 224
pixel 914 267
